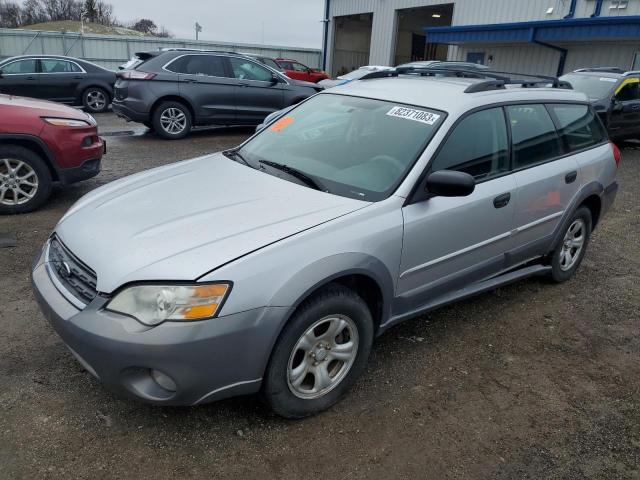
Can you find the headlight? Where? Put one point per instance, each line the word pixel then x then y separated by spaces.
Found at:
pixel 66 122
pixel 154 304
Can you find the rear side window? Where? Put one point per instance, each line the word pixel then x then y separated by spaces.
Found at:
pixel 578 126
pixel 51 65
pixel 20 67
pixel 286 65
pixel 533 135
pixel 271 63
pixel 478 146
pixel 209 65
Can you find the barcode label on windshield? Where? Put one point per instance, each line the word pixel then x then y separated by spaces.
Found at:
pixel 415 115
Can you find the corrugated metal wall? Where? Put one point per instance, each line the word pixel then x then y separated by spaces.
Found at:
pixel 113 51
pixel 527 58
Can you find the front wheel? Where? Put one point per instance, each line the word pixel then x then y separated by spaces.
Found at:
pixel 570 251
pixel 322 351
pixel 25 180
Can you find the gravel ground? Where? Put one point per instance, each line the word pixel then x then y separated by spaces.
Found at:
pixel 530 381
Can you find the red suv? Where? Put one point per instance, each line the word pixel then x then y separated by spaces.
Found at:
pixel 41 143
pixel 298 71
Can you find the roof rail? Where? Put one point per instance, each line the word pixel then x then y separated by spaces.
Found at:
pixel 184 49
pixel 631 72
pixel 495 80
pixel 601 69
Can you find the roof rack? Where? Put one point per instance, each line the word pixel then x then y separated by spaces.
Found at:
pixel 497 80
pixel 631 72
pixel 184 49
pixel 601 69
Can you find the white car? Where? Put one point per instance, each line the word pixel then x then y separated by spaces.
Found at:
pixel 351 76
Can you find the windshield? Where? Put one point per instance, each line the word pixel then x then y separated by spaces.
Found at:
pixel 594 86
pixel 355 147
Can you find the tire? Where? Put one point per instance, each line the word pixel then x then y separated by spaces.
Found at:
pixel 290 387
pixel 579 227
pixel 164 113
pixel 26 170
pixel 95 100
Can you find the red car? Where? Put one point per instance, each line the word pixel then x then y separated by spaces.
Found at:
pixel 296 70
pixel 41 143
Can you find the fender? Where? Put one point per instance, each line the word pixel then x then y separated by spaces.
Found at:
pixel 321 272
pixel 26 138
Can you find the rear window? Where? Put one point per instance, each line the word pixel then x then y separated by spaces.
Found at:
pixel 578 126
pixel 596 87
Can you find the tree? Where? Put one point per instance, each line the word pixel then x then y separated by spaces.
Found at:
pixel 90 10
pixel 145 25
pixel 164 33
pixel 10 14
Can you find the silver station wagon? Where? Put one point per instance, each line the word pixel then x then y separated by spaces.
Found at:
pixel 272 267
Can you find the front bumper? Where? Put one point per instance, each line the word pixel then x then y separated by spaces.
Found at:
pixel 207 360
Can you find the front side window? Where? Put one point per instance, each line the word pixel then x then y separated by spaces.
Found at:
pixel 248 70
pixel 21 67
pixel 533 135
pixel 578 126
pixel 209 65
pixel 478 145
pixel 628 92
pixel 298 67
pixel 50 65
pixel 355 147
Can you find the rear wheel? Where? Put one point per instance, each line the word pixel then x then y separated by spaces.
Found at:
pixel 25 180
pixel 569 253
pixel 95 100
pixel 172 120
pixel 322 351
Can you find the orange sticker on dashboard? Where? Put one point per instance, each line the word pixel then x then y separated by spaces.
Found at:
pixel 281 124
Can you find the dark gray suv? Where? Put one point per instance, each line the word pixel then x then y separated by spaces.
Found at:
pixel 172 90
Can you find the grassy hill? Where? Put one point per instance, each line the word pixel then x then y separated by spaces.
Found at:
pixel 74 26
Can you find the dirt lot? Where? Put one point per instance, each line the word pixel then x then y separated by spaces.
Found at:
pixel 531 381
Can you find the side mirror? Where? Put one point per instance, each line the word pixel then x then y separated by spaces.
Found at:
pixel 274 79
pixel 449 183
pixel 0 73
pixel 616 105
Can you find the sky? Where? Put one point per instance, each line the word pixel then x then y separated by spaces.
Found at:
pixel 271 22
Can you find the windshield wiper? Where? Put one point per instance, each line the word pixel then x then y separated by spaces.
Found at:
pixel 233 153
pixel 294 172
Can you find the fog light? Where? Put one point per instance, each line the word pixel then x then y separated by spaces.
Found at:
pixel 165 381
pixel 87 141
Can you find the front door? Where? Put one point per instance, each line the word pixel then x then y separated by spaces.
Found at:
pixel 257 93
pixel 20 78
pixel 59 79
pixel 452 242
pixel 625 115
pixel 204 81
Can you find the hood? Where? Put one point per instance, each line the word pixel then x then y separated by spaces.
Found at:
pixel 43 108
pixel 302 83
pixel 183 220
pixel 328 83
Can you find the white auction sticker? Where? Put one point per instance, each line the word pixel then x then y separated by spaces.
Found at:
pixel 413 114
pixel 606 79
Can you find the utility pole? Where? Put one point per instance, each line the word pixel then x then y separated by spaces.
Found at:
pixel 198 29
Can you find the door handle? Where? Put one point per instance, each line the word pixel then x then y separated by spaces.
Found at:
pixel 78 77
pixel 502 200
pixel 31 78
pixel 243 84
pixel 189 80
pixel 570 177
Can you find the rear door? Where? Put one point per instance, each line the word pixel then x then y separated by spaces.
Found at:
pixel 205 83
pixel 625 115
pixel 59 79
pixel 257 94
pixel 21 77
pixel 547 178
pixel 452 242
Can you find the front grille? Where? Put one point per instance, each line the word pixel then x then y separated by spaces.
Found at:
pixel 74 275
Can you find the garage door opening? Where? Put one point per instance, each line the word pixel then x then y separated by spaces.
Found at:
pixel 352 42
pixel 411 41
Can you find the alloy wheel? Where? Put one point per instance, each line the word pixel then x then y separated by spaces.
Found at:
pixel 173 121
pixel 572 244
pixel 322 356
pixel 18 182
pixel 96 100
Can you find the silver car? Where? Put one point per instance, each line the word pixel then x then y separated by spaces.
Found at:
pixel 272 267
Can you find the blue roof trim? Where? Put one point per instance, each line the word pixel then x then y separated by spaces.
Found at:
pixel 571 29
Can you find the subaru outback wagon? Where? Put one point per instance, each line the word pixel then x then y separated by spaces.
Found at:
pixel 272 267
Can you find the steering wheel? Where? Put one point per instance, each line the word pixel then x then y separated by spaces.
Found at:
pixel 389 161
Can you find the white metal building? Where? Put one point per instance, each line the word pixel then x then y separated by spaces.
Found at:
pixel 528 36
